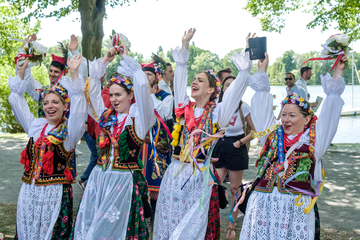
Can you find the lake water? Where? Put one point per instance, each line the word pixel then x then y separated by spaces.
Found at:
pixel 349 127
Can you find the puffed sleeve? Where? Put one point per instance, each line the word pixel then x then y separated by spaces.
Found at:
pixel 93 89
pixel 18 103
pixel 145 118
pixel 181 57
pixel 78 111
pixel 234 93
pixel 164 107
pixel 262 113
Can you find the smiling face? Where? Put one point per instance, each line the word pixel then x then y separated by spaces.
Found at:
pixel 54 73
pixel 293 121
pixel 54 108
pixel 290 80
pixel 200 87
pixel 120 98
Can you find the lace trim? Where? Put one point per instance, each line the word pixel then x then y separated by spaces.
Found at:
pixel 242 60
pixel 304 138
pixel 75 87
pixel 332 86
pixel 181 56
pixel 97 69
pixel 259 82
pixel 17 85
pixel 129 66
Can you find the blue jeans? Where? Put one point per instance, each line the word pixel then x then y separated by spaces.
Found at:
pixel 93 159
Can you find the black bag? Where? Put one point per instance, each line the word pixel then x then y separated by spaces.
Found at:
pixel 222 196
pixel 249 190
pixel 144 197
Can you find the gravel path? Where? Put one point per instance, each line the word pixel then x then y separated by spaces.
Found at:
pixel 339 204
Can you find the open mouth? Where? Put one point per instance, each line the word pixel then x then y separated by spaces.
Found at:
pixel 51 113
pixel 194 89
pixel 116 104
pixel 287 126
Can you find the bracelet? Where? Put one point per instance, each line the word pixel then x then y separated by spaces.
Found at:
pixel 241 143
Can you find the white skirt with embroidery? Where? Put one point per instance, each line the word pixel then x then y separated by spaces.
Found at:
pixel 105 206
pixel 275 216
pixel 38 210
pixel 178 214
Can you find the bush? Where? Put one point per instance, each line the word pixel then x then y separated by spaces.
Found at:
pixel 8 123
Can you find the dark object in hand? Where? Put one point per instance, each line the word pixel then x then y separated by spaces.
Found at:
pixel 257 48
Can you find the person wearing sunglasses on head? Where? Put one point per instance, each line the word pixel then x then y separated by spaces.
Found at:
pixel 292 88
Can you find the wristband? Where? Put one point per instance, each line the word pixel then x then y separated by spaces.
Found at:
pixel 241 143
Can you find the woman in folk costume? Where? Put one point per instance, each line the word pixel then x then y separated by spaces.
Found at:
pixel 44 209
pixel 187 206
pixel 111 206
pixel 290 175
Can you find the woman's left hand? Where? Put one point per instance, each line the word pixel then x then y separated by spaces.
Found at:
pixel 237 144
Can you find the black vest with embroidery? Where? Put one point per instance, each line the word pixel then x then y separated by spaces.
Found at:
pixel 61 160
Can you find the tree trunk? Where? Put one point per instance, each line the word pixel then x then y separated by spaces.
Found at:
pixel 92 14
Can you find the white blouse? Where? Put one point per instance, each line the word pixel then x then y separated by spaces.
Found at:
pixel 327 123
pixel 33 126
pixel 142 111
pixel 234 93
pixel 235 127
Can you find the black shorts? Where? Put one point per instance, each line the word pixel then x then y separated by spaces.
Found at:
pixel 232 158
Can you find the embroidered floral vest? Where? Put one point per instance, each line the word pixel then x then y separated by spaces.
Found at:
pixel 301 160
pixel 129 145
pixel 60 166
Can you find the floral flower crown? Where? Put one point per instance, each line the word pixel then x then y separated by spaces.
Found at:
pixel 295 99
pixel 121 79
pixel 60 90
pixel 212 73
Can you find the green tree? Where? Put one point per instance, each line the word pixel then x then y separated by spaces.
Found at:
pixel 345 13
pixel 288 60
pixel 8 123
pixel 12 26
pixel 92 15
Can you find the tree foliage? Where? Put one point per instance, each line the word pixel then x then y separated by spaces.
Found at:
pixel 92 14
pixel 344 13
pixel 12 26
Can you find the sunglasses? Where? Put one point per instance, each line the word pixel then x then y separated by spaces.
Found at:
pixel 290 78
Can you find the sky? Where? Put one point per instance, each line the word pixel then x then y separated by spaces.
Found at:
pixel 221 27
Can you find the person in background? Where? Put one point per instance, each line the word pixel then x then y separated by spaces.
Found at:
pixel 306 74
pixel 222 74
pixel 92 131
pixel 292 88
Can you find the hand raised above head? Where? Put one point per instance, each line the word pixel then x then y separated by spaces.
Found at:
pixel 109 55
pixel 74 43
pixel 263 63
pixel 123 50
pixel 248 37
pixel 75 62
pixel 187 37
pixel 340 67
pixel 21 66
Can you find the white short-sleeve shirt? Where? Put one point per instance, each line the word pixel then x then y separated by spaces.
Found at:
pixel 235 124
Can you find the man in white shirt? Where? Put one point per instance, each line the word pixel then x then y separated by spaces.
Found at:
pixel 292 88
pixel 305 73
pixel 167 79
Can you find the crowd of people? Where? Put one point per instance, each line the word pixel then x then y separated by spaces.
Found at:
pixel 158 153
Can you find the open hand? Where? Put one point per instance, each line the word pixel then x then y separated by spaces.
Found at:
pixel 263 63
pixel 74 43
pixel 248 37
pixel 187 37
pixel 75 62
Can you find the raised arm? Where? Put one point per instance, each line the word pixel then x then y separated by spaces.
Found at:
pixel 97 70
pixel 78 106
pixel 237 89
pixel 17 100
pixel 73 47
pixel 329 117
pixel 181 57
pixel 262 102
pixel 143 109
